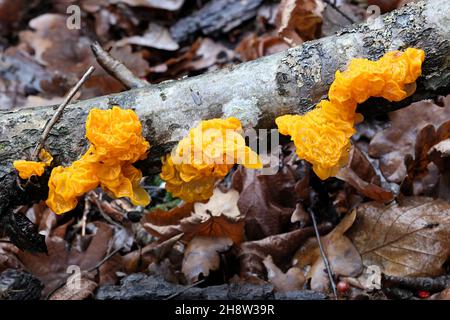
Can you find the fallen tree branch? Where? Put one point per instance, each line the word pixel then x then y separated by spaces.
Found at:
pixel 116 68
pixel 48 127
pixel 255 92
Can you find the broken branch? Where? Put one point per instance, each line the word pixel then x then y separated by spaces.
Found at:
pixel 48 127
pixel 116 68
pixel 255 92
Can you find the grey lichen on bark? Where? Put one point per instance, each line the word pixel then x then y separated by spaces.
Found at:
pixel 255 92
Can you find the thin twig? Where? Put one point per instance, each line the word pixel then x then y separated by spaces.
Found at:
pixel 98 265
pixel 335 7
pixel 116 68
pixel 323 254
pixel 87 208
pixel 94 197
pixel 48 127
pixel 185 289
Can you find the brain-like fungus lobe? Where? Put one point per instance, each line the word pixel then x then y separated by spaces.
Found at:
pixel 322 136
pixel 204 157
pixel 27 169
pixel 116 143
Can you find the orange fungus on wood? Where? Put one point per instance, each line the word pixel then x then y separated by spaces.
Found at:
pixel 26 169
pixel 204 157
pixel 322 136
pixel 116 143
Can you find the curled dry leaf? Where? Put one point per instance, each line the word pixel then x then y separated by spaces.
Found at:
pixel 67 53
pixel 292 280
pixel 202 256
pixel 385 5
pixel 300 20
pixel 266 201
pixel 343 256
pixel 51 269
pixel 440 155
pixel 139 260
pixel 391 145
pixel 253 47
pixel 76 289
pixel 219 217
pixel 29 78
pixel 410 238
pixel 361 175
pixel 8 257
pixel 443 295
pixel 281 247
pixel 202 54
pixel 156 37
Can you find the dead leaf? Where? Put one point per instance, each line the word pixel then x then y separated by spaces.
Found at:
pixel 300 215
pixel 292 280
pixel 67 53
pixel 203 54
pixel 360 174
pixel 253 47
pixel 281 247
pixel 12 14
pixel 391 145
pixel 410 238
pixel 266 201
pixel 385 5
pixel 443 295
pixel 202 256
pixel 440 154
pixel 219 217
pixel 300 20
pixel 341 253
pixel 85 290
pixel 51 269
pixel 156 37
pixel 8 257
pixel 160 217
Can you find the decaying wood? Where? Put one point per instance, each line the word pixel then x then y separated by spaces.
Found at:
pixel 116 68
pixel 255 92
pixel 139 286
pixel 214 17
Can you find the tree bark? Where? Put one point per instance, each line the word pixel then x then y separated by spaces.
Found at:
pixel 255 92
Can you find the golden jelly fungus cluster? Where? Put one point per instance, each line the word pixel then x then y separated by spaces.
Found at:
pixel 27 169
pixel 322 136
pixel 205 156
pixel 116 143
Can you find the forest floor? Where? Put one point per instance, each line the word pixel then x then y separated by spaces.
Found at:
pixel 383 220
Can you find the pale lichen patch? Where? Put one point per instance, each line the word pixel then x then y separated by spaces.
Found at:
pixel 246 110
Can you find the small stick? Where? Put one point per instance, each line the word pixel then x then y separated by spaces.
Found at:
pixel 185 289
pixel 98 265
pixel 48 127
pixel 324 256
pixel 87 208
pixel 116 68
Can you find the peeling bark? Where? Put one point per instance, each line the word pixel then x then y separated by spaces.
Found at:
pixel 255 92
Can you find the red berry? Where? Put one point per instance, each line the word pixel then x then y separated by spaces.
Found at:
pixel 342 286
pixel 423 294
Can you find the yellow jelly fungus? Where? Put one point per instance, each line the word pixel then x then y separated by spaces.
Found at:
pixel 27 169
pixel 322 136
pixel 204 157
pixel 116 142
